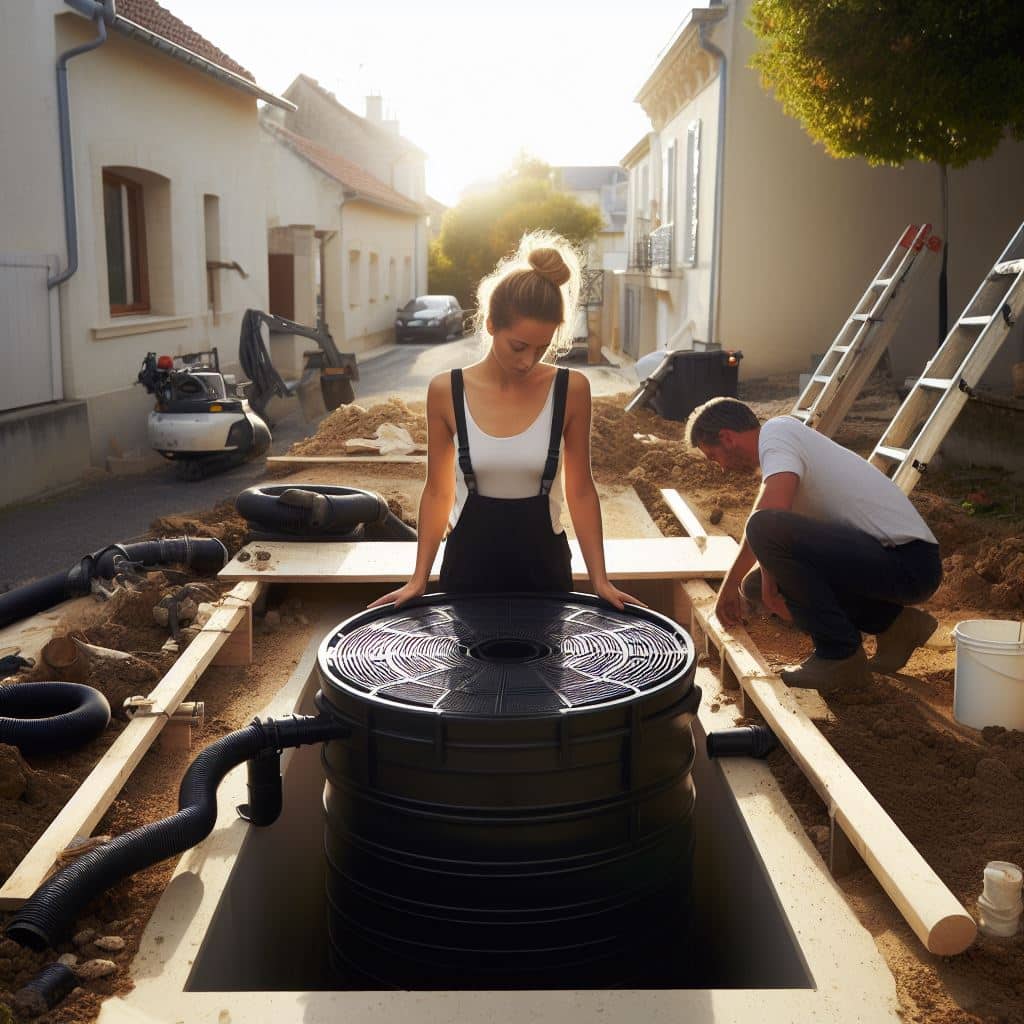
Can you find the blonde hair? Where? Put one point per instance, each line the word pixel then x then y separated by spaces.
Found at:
pixel 541 280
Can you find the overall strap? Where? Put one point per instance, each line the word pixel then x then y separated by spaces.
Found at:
pixel 459 406
pixel 561 387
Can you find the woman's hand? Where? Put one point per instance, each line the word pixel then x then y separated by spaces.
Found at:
pixel 399 597
pixel 619 598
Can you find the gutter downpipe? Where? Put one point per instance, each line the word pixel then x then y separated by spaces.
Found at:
pixel 716 243
pixel 103 14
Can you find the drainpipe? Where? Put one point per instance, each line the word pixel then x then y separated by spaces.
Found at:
pixel 103 14
pixel 716 240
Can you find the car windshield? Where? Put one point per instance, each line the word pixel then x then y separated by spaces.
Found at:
pixel 423 304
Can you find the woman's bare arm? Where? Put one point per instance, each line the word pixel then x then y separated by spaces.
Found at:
pixel 581 491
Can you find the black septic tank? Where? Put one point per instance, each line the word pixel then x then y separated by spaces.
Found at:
pixel 514 806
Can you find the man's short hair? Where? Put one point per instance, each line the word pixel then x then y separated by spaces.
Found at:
pixel 707 421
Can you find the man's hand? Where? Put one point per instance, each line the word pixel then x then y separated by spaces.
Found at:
pixel 772 597
pixel 401 595
pixel 729 606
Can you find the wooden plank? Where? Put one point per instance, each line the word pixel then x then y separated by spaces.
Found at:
pixel 237 647
pixel 393 561
pixel 97 791
pixel 936 917
pixel 686 516
pixel 339 460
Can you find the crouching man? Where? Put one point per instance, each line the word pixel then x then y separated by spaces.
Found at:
pixel 831 544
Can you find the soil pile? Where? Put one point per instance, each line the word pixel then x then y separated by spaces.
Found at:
pixel 222 522
pixel 353 420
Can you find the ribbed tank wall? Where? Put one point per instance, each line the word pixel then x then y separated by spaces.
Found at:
pixel 514 850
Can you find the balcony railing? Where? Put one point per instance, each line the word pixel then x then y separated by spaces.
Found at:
pixel 653 250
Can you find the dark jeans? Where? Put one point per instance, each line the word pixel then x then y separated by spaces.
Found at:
pixel 837 581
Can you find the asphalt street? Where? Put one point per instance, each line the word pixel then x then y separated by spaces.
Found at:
pixel 43 537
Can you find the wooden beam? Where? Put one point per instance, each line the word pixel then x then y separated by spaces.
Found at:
pixel 97 791
pixel 340 460
pixel 393 561
pixel 932 911
pixel 686 516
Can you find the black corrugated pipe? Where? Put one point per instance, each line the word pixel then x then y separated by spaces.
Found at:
pixel 204 555
pixel 103 13
pixel 44 718
pixel 48 915
pixel 317 512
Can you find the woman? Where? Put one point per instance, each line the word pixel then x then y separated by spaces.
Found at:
pixel 513 418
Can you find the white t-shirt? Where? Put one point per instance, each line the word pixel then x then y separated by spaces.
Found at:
pixel 837 485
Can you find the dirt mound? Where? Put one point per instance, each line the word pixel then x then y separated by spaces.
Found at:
pixel 222 522
pixel 350 421
pixel 989 575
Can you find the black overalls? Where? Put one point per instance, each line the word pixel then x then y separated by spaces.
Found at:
pixel 505 545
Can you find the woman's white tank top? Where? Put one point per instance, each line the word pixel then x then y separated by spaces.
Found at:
pixel 510 467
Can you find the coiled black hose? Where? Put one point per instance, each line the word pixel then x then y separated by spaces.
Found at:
pixel 204 555
pixel 319 512
pixel 43 718
pixel 47 916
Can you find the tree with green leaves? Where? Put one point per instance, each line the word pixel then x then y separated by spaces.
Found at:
pixel 487 225
pixel 930 80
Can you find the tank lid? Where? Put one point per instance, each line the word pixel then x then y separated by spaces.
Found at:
pixel 505 655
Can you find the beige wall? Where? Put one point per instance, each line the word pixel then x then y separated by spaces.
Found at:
pixel 369 309
pixel 184 136
pixel 30 186
pixel 804 233
pixel 302 201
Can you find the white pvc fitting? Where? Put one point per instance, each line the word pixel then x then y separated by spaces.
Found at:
pixel 999 905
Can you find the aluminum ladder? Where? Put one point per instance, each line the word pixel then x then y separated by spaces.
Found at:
pixel 949 377
pixel 862 340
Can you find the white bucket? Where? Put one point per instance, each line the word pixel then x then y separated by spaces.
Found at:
pixel 988 686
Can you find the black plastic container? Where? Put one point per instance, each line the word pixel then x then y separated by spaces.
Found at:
pixel 514 806
pixel 694 378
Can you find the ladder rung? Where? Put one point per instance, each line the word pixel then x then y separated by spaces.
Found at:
pixel 841 348
pixel 896 454
pixel 862 317
pixel 801 414
pixel 821 378
pixel 1009 269
pixel 881 282
pixel 974 321
pixel 936 383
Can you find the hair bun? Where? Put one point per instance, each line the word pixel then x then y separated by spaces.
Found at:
pixel 550 265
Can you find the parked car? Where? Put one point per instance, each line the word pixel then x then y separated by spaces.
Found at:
pixel 429 317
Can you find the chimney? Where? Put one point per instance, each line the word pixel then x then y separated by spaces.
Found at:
pixel 375 109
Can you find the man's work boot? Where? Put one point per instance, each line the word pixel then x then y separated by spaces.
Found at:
pixel 826 675
pixel 911 629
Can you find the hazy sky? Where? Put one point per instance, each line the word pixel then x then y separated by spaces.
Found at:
pixel 470 82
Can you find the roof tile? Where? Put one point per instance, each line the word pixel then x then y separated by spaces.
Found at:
pixel 150 15
pixel 345 172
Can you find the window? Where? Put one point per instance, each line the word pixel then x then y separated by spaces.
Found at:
pixel 374 277
pixel 355 295
pixel 407 277
pixel 211 225
pixel 668 185
pixel 392 278
pixel 690 196
pixel 125 224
